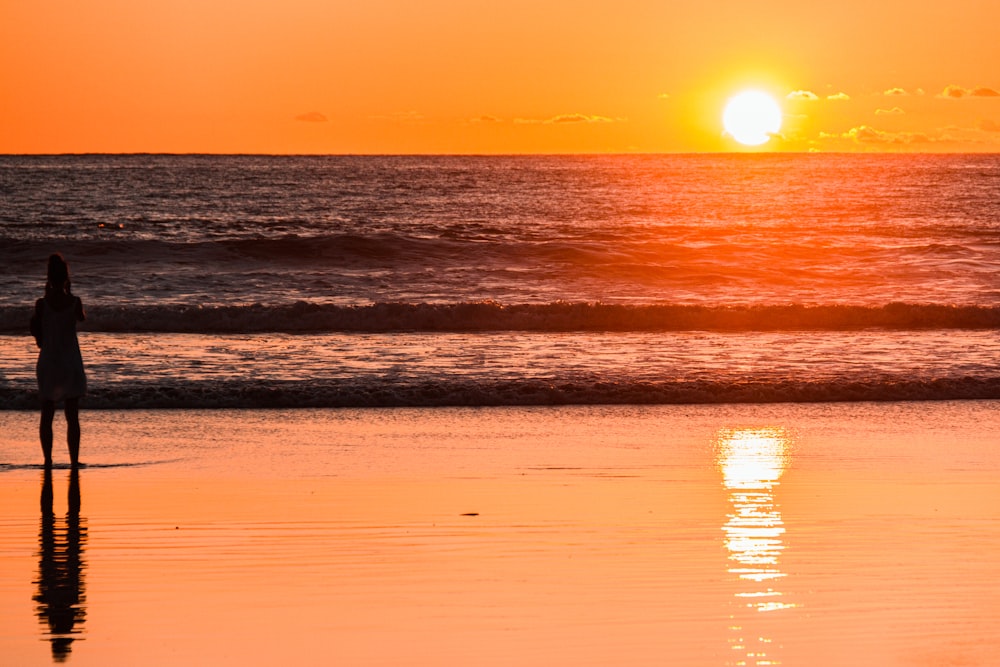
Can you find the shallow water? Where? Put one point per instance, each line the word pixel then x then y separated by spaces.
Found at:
pixel 828 534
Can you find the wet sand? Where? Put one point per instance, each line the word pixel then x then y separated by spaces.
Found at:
pixel 826 534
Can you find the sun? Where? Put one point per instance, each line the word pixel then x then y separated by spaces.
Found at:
pixel 751 117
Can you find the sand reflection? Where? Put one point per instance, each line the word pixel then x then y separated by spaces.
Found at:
pixel 752 461
pixel 60 594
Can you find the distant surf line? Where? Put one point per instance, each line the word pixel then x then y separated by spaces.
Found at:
pixel 484 316
pixel 522 392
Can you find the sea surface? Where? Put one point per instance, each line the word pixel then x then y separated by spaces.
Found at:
pixel 263 281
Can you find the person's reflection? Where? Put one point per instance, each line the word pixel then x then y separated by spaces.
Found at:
pixel 60 595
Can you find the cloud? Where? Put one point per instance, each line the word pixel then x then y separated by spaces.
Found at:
pixel 486 119
pixel 869 135
pixel 895 92
pixel 865 134
pixel 579 118
pixel 663 96
pixel 839 97
pixel 568 119
pixel 895 111
pixel 312 117
pixel 802 95
pixel 958 92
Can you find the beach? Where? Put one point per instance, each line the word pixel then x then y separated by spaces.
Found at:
pixel 795 534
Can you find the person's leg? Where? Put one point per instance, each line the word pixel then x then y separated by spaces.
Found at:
pixel 45 430
pixel 73 430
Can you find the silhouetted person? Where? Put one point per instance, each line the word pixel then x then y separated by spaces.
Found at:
pixel 61 594
pixel 60 373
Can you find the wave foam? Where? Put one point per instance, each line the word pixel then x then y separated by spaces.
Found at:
pixel 305 317
pixel 510 393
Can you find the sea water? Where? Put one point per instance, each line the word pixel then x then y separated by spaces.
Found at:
pixel 264 281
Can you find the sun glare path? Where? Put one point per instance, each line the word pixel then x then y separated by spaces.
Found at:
pixel 751 462
pixel 752 117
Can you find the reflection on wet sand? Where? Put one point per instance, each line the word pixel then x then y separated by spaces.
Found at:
pixel 751 462
pixel 61 598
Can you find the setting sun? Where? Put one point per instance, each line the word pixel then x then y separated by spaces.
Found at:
pixel 751 117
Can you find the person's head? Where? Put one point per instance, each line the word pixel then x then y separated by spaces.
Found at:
pixel 57 278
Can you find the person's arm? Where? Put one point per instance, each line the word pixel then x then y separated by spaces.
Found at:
pixel 36 323
pixel 80 314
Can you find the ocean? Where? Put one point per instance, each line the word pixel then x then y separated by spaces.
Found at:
pixel 354 281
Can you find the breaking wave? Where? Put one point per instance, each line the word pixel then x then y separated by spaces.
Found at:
pixel 484 316
pixel 522 392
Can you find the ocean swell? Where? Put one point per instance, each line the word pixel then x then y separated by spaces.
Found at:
pixel 303 317
pixel 524 392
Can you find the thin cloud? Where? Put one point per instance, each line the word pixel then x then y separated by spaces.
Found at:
pixel 663 96
pixel 869 135
pixel 312 117
pixel 806 95
pixel 895 111
pixel 568 119
pixel 987 125
pixel 902 92
pixel 839 97
pixel 958 92
pixel 579 118
pixel 865 134
pixel 486 119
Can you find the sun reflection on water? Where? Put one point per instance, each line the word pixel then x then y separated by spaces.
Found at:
pixel 751 462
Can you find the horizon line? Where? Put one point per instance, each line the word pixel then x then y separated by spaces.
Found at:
pixel 487 155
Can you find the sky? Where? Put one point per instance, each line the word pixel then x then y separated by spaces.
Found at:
pixel 463 76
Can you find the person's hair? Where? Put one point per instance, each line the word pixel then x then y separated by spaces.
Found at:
pixel 57 278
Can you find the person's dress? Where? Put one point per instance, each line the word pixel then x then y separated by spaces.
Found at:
pixel 60 365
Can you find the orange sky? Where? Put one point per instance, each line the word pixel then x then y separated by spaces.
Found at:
pixel 458 76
